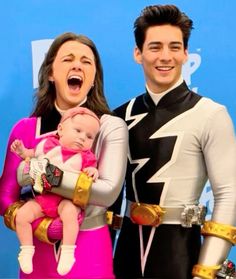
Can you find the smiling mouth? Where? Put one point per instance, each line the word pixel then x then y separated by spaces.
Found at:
pixel 164 68
pixel 75 83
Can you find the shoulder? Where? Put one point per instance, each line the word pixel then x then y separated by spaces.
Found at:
pixel 210 106
pixel 128 106
pixel 25 125
pixel 112 121
pixel 111 125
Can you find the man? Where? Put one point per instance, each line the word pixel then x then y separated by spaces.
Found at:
pixel 177 141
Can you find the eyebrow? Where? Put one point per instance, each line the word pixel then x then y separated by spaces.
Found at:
pixel 73 56
pixel 160 43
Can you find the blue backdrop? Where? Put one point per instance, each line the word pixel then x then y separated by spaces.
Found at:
pixel 27 28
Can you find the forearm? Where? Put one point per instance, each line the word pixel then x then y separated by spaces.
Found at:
pixel 220 156
pixel 9 188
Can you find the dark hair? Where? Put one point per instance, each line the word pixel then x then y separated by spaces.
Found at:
pixel 160 15
pixel 46 93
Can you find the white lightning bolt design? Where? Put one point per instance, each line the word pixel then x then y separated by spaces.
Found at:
pixel 136 118
pixel 140 162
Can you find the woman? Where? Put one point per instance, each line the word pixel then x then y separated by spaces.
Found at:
pixel 70 75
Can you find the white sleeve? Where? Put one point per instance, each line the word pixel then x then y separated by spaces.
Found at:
pixel 219 149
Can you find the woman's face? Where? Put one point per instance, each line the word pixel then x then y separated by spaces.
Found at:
pixel 73 74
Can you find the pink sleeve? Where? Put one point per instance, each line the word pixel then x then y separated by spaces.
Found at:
pixel 88 159
pixel 9 188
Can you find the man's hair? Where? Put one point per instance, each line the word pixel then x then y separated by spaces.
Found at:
pixel 160 15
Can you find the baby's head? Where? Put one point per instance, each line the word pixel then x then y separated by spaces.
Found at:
pixel 78 128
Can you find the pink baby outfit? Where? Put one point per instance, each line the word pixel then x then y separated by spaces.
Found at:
pixel 65 159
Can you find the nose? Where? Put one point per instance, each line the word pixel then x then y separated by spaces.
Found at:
pixel 77 65
pixel 81 136
pixel 165 54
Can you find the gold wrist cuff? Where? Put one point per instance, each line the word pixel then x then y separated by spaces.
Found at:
pixel 226 232
pixel 41 232
pixel 10 214
pixel 205 272
pixel 82 190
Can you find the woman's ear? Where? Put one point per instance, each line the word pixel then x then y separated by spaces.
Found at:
pixel 137 55
pixel 50 78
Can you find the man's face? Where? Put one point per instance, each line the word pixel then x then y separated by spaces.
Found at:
pixel 162 57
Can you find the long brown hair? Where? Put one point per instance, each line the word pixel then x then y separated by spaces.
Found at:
pixel 46 93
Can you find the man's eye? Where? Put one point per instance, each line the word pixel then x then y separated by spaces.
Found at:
pixel 155 48
pixel 175 47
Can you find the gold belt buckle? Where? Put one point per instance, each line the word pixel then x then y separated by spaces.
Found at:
pixel 146 214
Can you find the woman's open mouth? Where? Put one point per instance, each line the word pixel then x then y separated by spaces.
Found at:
pixel 75 83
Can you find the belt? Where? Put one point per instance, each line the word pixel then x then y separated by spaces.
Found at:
pixel 92 222
pixel 107 218
pixel 154 215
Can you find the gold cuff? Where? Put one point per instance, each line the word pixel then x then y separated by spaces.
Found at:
pixel 10 214
pixel 205 272
pixel 82 190
pixel 41 232
pixel 226 232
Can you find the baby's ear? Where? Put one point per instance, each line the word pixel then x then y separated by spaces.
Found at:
pixel 59 130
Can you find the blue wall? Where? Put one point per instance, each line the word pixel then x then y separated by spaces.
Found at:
pixel 210 70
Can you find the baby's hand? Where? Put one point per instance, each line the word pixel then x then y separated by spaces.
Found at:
pixel 17 147
pixel 91 172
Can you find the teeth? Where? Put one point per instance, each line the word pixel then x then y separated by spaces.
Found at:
pixel 76 77
pixel 165 68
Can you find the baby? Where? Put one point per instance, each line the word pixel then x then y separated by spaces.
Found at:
pixel 70 150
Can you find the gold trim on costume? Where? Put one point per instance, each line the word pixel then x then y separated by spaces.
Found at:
pixel 109 217
pixel 114 220
pixel 226 232
pixel 146 214
pixel 82 190
pixel 205 272
pixel 10 214
pixel 41 232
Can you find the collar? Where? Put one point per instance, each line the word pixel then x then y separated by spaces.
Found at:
pixel 171 97
pixel 156 97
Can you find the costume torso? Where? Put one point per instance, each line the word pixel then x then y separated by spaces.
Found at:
pixel 174 148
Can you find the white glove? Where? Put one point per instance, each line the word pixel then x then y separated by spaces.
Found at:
pixel 37 167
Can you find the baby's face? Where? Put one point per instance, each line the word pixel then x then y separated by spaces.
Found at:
pixel 78 133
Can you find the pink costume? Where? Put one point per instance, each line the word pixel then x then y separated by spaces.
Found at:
pixel 65 159
pixel 94 249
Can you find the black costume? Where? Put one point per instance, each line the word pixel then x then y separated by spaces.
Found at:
pixel 174 147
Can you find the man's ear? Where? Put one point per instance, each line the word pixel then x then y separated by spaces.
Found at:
pixel 186 56
pixel 138 55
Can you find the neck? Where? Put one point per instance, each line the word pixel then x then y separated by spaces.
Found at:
pixel 62 111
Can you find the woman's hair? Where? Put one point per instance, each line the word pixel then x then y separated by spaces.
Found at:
pixel 46 93
pixel 159 15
